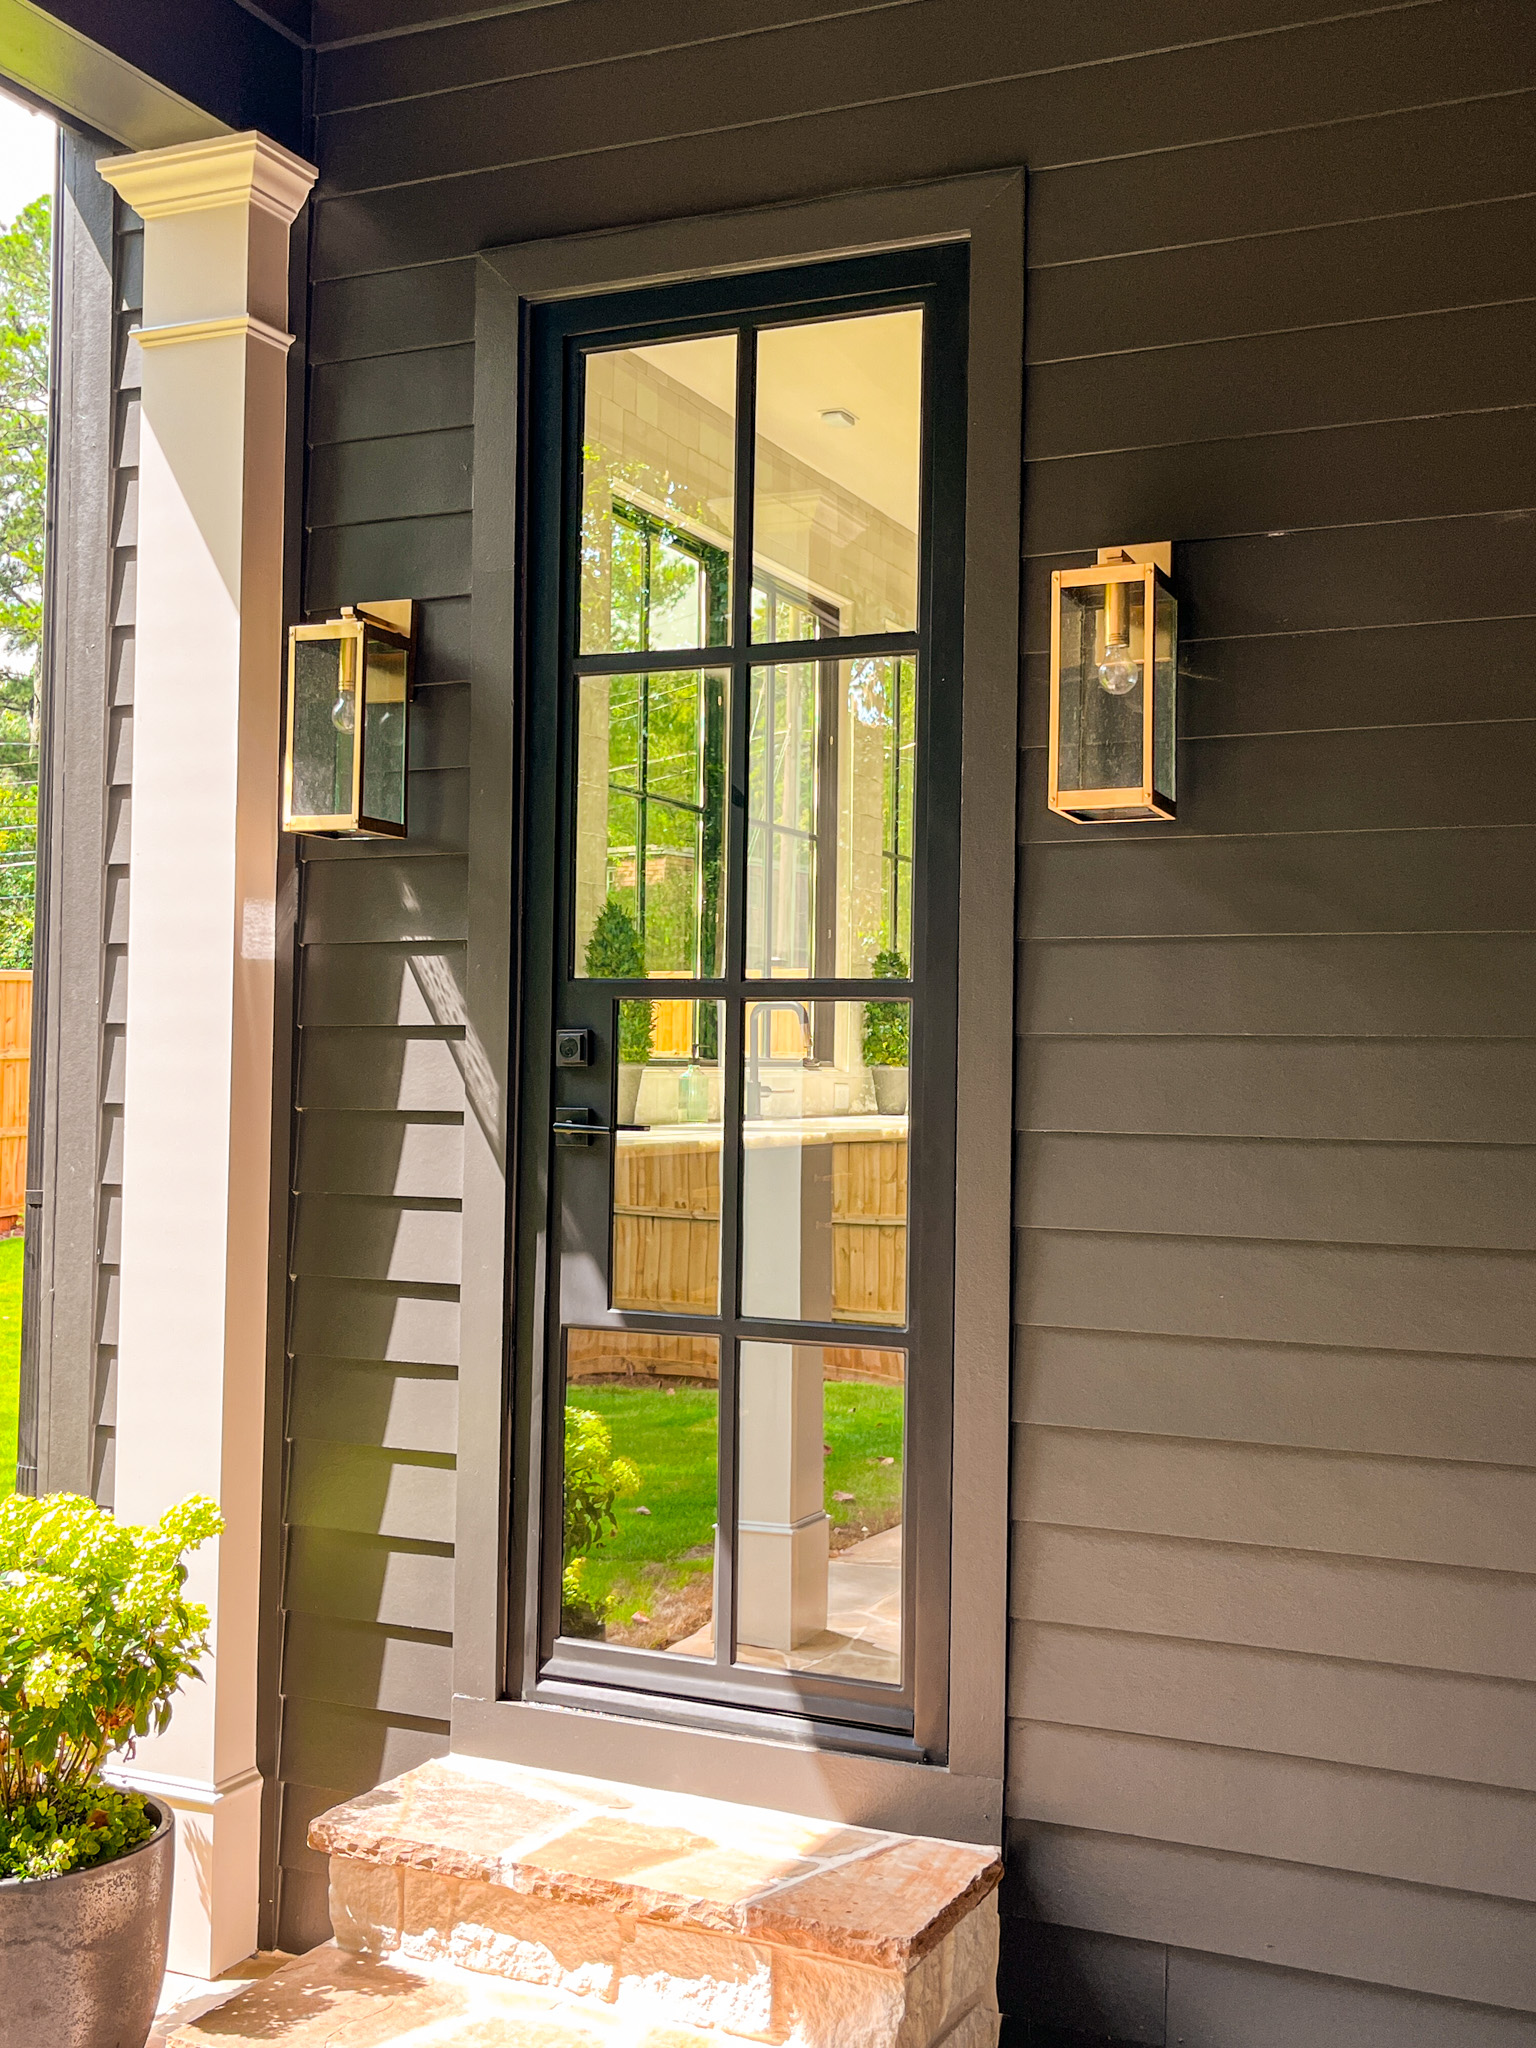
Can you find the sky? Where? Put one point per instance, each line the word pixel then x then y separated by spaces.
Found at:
pixel 27 144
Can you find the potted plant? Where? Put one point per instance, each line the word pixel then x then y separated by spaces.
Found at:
pixel 887 1036
pixel 95 1638
pixel 614 953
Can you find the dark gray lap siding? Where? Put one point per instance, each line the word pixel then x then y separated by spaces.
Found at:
pixel 1273 1492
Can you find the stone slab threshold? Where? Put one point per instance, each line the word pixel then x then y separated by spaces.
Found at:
pixel 490 1905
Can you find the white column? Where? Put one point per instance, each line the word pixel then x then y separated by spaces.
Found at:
pixel 781 1524
pixel 192 1329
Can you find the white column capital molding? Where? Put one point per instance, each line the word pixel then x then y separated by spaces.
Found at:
pixel 233 170
pixel 246 325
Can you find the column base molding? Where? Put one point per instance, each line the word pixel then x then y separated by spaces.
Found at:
pixel 218 1863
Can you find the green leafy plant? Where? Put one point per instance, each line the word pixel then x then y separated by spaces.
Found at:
pixel 887 1026
pixel 96 1637
pixel 614 953
pixel 595 1481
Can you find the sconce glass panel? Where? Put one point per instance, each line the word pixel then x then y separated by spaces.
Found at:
pixel 344 769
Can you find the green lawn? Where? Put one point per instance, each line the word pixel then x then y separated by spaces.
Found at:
pixel 660 1563
pixel 10 1356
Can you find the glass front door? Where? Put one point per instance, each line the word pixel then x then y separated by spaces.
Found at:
pixel 737 1250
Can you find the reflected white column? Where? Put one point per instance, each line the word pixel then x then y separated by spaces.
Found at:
pixel 783 1533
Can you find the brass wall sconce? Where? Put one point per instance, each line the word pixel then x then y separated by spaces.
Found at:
pixel 347 750
pixel 1114 687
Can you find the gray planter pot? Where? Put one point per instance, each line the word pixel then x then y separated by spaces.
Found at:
pixel 82 1955
pixel 890 1090
pixel 631 1074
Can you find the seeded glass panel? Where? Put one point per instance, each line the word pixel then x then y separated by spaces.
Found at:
pixel 658 465
pixel 1164 695
pixel 384 712
pixel 824 1168
pixel 640 1458
pixel 1102 679
pixel 650 817
pixel 666 1158
pixel 820 1460
pixel 831 805
pixel 324 726
pixel 838 469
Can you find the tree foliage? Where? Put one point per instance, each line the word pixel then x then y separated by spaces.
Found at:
pixel 595 1482
pixel 25 288
pixel 887 1026
pixel 96 1636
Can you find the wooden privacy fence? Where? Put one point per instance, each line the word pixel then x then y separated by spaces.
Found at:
pixel 15 1079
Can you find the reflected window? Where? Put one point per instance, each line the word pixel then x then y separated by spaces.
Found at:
pixel 650 808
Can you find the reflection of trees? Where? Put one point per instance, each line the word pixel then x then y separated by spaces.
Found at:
pixel 24 313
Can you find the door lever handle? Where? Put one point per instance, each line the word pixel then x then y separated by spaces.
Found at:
pixel 577 1127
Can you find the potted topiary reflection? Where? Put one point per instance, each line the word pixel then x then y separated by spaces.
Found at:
pixel 96 1636
pixel 614 953
pixel 887 1037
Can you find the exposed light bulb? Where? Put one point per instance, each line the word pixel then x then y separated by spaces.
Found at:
pixel 344 710
pixel 1119 671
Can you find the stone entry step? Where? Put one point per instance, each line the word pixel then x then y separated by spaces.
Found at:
pixel 489 1905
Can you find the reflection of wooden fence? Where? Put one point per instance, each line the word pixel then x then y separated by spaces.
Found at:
pixel 666 1225
pixel 15 1077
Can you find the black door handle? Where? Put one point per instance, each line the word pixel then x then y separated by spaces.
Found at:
pixel 577 1127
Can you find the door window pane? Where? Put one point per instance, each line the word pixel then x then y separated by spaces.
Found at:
pixel 640 1433
pixel 658 468
pixel 831 803
pixel 650 818
pixel 824 1168
pixel 821 1454
pixel 666 1158
pixel 838 469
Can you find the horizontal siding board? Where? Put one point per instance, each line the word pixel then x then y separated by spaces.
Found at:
pixel 346 1152
pixel 383 985
pixel 1300 379
pixel 439 723
pixel 442 643
pixel 423 392
pixel 1480 879
pixel 1462 1196
pixel 349 1319
pixel 1451 1944
pixel 1421 1723
pixel 1395 778
pixel 353 1069
pixel 1423 1831
pixel 390 1407
pixel 1451 467
pixel 1357 270
pixel 350 1664
pixel 403 476
pixel 1388 1404
pixel 1447 152
pixel 1431 984
pixel 1088 1983
pixel 427 557
pixel 437 819
pixel 1416 1511
pixel 365 1578
pixel 351 1749
pixel 1475 1092
pixel 397 901
pixel 377 59
pixel 1330 682
pixel 369 1237
pixel 1437 1618
pixel 370 1492
pixel 431 306
pixel 1213 2000
pixel 1042 104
